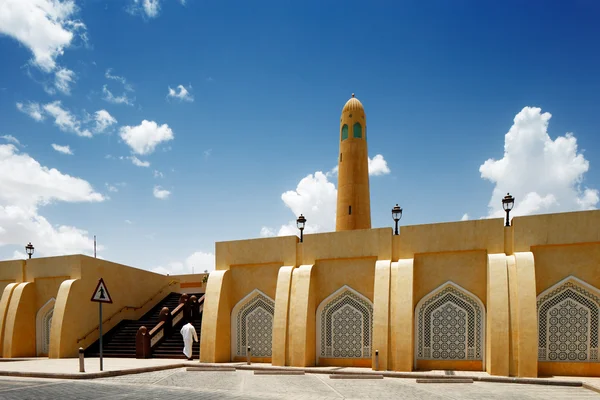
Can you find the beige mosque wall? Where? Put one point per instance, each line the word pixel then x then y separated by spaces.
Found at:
pixel 76 326
pixel 555 263
pixel 61 288
pixel 396 272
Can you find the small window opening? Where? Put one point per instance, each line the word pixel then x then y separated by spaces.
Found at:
pixel 349 210
pixel 340 157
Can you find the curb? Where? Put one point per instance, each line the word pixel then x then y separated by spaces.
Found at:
pixel 418 375
pixel 591 387
pixel 91 375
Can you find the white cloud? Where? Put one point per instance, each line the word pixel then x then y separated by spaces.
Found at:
pixel 11 139
pixel 197 263
pixel 465 217
pixel 65 120
pixel 315 197
pixel 123 99
pixel 543 175
pixel 158 174
pixel 63 79
pixel 32 109
pixel 207 153
pixel 265 231
pixel 45 27
pixel 144 138
pixel 378 166
pixel 139 163
pixel 18 255
pixel 161 193
pixel 103 120
pixel 25 186
pixel 183 94
pixel 117 78
pixel 128 222
pixel 111 188
pixel 62 149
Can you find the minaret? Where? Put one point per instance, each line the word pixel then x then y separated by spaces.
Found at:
pixel 353 198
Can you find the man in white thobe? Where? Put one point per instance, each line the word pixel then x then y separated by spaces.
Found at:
pixel 189 336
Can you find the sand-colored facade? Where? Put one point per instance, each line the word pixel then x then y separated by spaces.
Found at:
pixel 498 273
pixel 46 307
pixel 519 300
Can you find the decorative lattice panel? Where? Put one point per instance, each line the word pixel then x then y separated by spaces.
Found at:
pixel 346 325
pixel 568 324
pixel 254 326
pixel 450 326
pixel 47 323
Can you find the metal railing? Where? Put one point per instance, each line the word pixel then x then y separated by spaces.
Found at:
pixel 146 341
pixel 125 308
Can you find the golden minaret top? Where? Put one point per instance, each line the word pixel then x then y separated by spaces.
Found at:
pixel 353 199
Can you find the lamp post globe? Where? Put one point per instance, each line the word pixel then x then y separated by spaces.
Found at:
pixel 507 203
pixel 300 223
pixel 29 249
pixel 396 214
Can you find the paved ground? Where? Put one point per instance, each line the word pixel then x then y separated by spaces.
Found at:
pixel 179 384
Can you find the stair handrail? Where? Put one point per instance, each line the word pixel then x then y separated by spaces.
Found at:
pixel 168 320
pixel 127 308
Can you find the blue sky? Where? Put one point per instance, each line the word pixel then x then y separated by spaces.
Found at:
pixel 441 82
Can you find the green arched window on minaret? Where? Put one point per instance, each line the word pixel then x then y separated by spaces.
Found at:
pixel 344 132
pixel 357 130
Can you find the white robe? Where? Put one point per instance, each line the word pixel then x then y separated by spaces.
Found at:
pixel 189 336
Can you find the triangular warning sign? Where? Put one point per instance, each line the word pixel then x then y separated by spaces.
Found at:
pixel 101 293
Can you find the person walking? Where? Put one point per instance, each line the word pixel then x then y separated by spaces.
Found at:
pixel 189 336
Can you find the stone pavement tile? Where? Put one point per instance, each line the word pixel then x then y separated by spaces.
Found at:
pixel 76 390
pixel 505 391
pixel 307 385
pixel 386 388
pixel 143 378
pixel 228 381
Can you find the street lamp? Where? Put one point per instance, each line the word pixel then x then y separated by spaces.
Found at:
pixel 396 214
pixel 507 203
pixel 300 222
pixel 29 249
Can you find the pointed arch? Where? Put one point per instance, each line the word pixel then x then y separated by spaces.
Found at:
pixel 568 322
pixel 43 323
pixel 357 130
pixel 252 325
pixel 344 132
pixel 345 314
pixel 450 325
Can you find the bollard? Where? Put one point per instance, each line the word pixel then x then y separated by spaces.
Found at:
pixel 376 360
pixel 81 363
pixel 248 355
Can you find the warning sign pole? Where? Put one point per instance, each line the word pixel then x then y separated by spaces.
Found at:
pixel 101 295
pixel 100 325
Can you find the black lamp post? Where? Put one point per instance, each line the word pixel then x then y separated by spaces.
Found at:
pixel 300 222
pixel 29 249
pixel 507 203
pixel 396 214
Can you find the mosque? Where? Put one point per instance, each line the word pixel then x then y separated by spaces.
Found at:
pixel 519 298
pixel 515 299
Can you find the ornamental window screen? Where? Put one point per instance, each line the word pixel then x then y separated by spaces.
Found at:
pixel 568 322
pixel 345 325
pixel 357 130
pixel 450 325
pixel 43 326
pixel 252 325
pixel 344 132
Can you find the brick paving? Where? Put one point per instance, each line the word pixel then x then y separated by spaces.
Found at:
pixel 180 384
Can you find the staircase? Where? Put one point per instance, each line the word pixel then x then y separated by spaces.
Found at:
pixel 172 347
pixel 120 341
